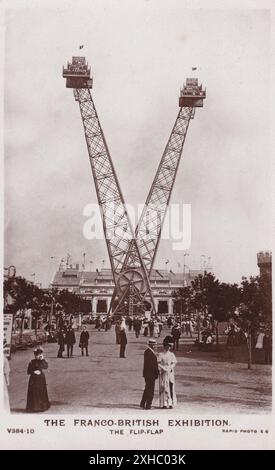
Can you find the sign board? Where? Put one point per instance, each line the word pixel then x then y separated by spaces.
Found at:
pixel 7 334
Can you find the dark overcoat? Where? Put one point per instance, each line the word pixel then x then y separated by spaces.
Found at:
pixel 37 397
pixel 150 366
pixel 84 338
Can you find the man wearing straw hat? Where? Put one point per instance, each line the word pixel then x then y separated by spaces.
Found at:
pixel 150 374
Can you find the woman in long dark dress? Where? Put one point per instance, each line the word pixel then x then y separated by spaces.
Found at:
pixel 37 398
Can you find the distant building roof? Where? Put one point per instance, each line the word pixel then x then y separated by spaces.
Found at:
pixel 73 277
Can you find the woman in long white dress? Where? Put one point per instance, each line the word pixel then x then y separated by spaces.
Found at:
pixel 156 329
pixel 167 362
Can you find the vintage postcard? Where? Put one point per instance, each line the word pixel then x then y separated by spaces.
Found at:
pixel 137 145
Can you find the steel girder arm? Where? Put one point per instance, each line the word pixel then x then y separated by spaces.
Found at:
pixel 149 226
pixel 117 228
pixel 148 230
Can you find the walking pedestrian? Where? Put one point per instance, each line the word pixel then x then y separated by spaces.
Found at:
pixel 137 326
pixel 176 336
pixel 37 396
pixel 123 342
pixel 123 323
pixel 130 323
pixel 189 328
pixel 117 332
pixel 160 324
pixel 98 323
pixel 83 341
pixel 150 374
pixel 70 341
pixel 146 329
pixel 151 327
pixel 61 342
pixel 156 329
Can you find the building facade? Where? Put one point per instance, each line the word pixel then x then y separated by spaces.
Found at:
pixel 98 286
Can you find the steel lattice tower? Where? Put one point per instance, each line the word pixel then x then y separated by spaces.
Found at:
pixel 131 253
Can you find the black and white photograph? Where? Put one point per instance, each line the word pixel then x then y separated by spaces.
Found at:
pixel 138 225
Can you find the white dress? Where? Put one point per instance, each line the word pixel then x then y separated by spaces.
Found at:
pixel 167 394
pixel 260 339
pixel 156 330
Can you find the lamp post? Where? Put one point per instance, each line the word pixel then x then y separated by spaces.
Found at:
pixel 180 311
pixel 203 262
pixel 184 266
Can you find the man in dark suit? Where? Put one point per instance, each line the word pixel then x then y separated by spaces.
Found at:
pixel 70 341
pixel 150 374
pixel 83 341
pixel 123 342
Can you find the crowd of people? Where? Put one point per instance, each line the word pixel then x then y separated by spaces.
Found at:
pixel 157 365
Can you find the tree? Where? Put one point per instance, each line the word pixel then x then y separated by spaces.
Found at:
pixel 36 302
pixel 214 298
pixel 251 298
pixel 205 292
pixel 23 295
pixel 182 298
pixel 20 295
pixel 69 301
pixel 224 298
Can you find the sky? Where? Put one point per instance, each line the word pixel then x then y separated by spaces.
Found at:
pixel 139 60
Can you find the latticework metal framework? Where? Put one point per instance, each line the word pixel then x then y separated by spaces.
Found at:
pixel 118 232
pixel 131 254
pixel 148 230
pixel 149 227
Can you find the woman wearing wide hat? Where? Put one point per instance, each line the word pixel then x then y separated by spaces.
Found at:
pixel 37 397
pixel 167 362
